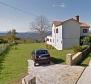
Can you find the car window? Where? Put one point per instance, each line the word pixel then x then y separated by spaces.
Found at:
pixel 39 52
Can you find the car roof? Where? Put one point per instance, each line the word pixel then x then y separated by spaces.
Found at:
pixel 40 49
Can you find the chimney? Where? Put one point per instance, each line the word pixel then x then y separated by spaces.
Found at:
pixel 77 18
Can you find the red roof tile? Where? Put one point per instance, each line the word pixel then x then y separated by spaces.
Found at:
pixel 57 23
pixel 84 25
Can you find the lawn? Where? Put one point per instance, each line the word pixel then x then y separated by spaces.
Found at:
pixel 13 63
pixel 86 60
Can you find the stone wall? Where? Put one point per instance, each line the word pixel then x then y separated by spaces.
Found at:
pixel 80 55
pixel 77 57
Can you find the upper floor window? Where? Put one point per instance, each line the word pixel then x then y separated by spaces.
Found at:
pixel 57 30
pixel 85 30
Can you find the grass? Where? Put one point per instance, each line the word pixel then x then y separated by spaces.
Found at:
pixel 13 62
pixel 86 60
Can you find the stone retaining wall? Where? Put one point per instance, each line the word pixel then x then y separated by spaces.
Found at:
pixel 80 55
pixel 77 57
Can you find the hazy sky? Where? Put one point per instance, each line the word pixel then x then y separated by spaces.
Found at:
pixel 19 13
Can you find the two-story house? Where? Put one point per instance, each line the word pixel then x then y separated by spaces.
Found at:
pixel 66 34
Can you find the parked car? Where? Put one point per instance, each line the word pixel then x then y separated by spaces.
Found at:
pixel 40 56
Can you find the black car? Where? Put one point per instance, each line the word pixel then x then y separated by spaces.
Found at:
pixel 40 56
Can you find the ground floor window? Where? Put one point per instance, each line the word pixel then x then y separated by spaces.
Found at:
pixel 47 39
pixel 85 30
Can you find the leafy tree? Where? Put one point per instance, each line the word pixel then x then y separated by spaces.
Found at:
pixel 11 36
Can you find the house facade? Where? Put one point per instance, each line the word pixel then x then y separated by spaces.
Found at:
pixel 66 34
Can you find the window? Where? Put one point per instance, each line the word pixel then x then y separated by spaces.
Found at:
pixel 47 39
pixel 50 40
pixel 57 30
pixel 85 30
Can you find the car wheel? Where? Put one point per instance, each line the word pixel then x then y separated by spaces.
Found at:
pixel 48 62
pixel 34 64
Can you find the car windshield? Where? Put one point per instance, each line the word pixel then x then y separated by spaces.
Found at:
pixel 40 52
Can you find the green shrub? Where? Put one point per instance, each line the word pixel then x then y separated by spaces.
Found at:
pixel 77 49
pixel 49 46
pixel 84 47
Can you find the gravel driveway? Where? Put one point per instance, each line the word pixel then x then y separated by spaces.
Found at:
pixel 55 73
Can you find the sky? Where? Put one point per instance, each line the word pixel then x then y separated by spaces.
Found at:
pixel 18 14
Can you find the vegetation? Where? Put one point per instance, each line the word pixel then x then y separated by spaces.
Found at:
pixel 85 40
pixel 76 49
pixel 41 26
pixel 11 36
pixel 86 60
pixel 13 63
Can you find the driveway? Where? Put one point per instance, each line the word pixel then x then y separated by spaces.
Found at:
pixel 86 76
pixel 55 73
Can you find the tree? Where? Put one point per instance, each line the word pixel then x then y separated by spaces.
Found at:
pixel 85 40
pixel 41 26
pixel 11 35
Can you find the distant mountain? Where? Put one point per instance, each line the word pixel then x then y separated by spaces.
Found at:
pixel 28 35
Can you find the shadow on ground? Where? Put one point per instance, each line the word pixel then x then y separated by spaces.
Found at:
pixel 2 58
pixel 56 60
pixel 85 57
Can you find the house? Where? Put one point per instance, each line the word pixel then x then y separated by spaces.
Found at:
pixel 66 34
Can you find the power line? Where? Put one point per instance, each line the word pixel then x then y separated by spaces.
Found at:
pixel 18 9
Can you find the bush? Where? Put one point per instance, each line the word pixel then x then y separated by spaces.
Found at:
pixel 83 47
pixel 49 46
pixel 77 49
pixel 85 40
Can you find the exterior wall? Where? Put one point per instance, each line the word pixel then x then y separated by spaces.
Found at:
pixel 71 34
pixel 50 40
pixel 53 35
pixel 83 34
pixel 70 42
pixel 58 38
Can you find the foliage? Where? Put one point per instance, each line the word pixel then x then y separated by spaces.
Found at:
pixel 49 46
pixel 86 60
pixel 83 47
pixel 3 41
pixel 11 36
pixel 77 49
pixel 85 40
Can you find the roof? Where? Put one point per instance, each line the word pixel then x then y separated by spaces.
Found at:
pixel 82 24
pixel 57 23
